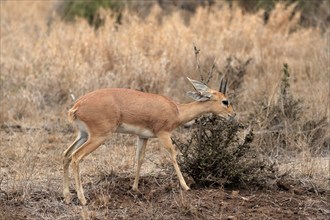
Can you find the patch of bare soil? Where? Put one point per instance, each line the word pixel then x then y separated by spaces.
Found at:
pixel 160 197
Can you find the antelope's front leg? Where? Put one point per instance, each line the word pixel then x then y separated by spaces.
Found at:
pixel 140 153
pixel 165 138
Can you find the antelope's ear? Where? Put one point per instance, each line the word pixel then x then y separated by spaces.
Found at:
pixel 199 86
pixel 199 96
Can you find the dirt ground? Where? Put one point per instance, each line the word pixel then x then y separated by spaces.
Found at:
pixel 38 194
pixel 111 197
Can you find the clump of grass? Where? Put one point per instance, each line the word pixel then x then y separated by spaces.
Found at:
pixel 278 121
pixel 283 126
pixel 316 135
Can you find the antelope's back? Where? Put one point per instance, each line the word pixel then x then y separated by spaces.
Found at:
pixel 119 105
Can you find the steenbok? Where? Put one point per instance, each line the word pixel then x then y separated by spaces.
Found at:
pixel 116 110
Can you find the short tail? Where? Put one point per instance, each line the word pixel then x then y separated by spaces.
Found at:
pixel 72 114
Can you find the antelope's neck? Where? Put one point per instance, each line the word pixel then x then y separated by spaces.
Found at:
pixel 188 112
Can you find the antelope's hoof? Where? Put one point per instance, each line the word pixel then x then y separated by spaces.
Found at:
pixel 67 198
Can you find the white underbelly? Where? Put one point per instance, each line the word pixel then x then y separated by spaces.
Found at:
pixel 133 129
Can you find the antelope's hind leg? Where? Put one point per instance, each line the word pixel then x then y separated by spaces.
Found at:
pixel 93 142
pixel 67 156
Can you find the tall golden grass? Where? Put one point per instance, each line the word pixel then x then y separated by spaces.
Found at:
pixel 45 60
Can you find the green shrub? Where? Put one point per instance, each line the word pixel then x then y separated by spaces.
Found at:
pixel 219 153
pixel 312 12
pixel 88 9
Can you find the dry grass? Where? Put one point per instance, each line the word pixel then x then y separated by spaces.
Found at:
pixel 44 60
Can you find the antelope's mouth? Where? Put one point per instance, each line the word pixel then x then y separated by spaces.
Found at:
pixel 229 117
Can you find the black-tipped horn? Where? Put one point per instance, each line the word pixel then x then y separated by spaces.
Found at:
pixel 225 87
pixel 220 89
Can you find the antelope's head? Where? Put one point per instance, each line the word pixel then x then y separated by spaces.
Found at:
pixel 216 101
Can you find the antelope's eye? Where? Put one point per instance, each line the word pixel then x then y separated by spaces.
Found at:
pixel 225 102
